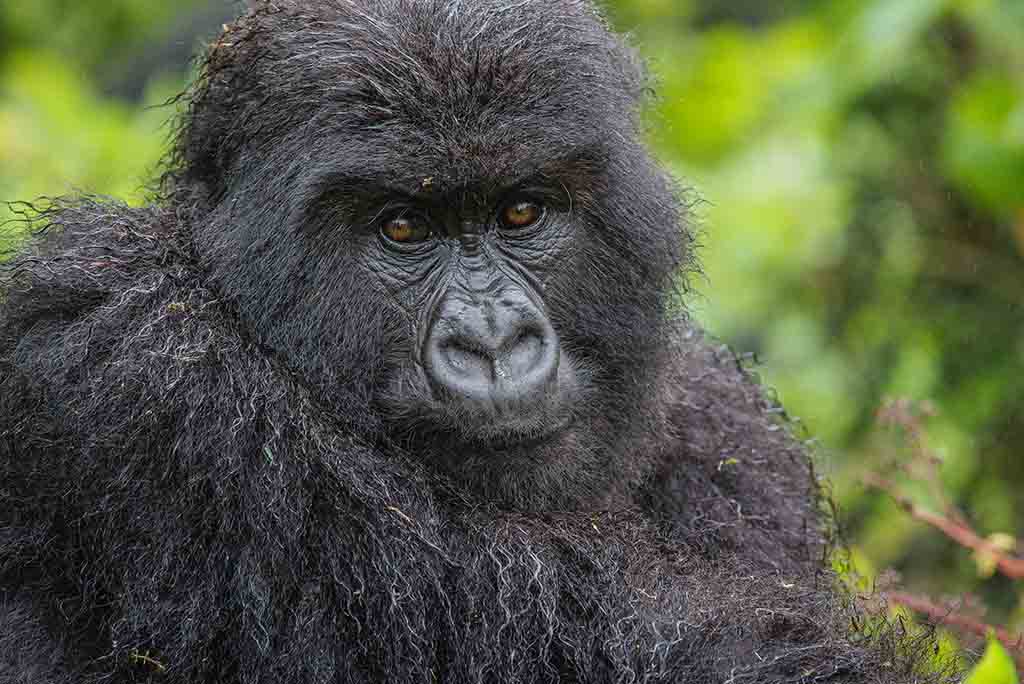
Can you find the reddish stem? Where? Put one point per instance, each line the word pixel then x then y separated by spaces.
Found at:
pixel 1011 567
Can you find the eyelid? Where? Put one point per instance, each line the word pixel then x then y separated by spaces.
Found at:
pixel 552 194
pixel 395 211
pixel 390 211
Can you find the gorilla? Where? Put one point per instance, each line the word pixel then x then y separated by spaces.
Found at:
pixel 391 381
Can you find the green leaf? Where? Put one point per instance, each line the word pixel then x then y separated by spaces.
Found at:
pixel 996 667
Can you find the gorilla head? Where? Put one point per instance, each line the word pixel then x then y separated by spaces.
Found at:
pixel 443 209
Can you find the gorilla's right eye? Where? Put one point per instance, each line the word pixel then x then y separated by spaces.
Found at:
pixel 406 230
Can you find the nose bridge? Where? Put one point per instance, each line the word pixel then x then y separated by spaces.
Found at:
pixel 484 302
pixel 480 277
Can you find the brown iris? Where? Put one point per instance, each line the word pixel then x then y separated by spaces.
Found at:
pixel 521 214
pixel 406 230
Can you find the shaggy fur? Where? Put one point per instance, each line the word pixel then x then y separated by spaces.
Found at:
pixel 201 474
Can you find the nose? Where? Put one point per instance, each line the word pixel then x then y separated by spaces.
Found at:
pixel 498 355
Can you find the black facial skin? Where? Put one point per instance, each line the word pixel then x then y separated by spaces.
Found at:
pixel 471 283
pixel 392 383
pixel 487 374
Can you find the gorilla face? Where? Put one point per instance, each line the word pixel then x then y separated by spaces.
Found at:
pixel 463 254
pixel 485 363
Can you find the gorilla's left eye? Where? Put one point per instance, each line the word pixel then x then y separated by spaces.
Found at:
pixel 521 214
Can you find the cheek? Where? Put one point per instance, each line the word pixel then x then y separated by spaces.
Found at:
pixel 602 306
pixel 337 325
pixel 401 294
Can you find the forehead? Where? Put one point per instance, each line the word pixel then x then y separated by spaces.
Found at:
pixel 454 91
pixel 459 92
pixel 415 154
pixel 478 174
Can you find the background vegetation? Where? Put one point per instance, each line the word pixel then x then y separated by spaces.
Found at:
pixel 862 163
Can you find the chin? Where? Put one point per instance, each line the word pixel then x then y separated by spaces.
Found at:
pixel 558 470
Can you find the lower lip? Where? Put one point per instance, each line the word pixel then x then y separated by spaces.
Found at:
pixel 534 442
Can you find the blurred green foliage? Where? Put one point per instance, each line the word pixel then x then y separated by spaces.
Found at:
pixel 862 163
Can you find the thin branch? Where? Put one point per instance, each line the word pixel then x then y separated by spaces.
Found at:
pixel 925 464
pixel 1009 566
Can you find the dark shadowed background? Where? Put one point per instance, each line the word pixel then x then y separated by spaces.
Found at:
pixel 861 169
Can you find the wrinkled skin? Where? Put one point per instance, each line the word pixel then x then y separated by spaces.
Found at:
pixel 390 383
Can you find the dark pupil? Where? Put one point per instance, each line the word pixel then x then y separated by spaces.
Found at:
pixel 522 214
pixel 403 230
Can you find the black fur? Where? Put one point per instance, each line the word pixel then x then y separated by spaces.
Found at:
pixel 200 475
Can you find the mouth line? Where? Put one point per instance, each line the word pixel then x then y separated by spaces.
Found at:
pixel 512 443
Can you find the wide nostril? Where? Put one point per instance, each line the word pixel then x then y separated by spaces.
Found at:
pixel 522 354
pixel 464 359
